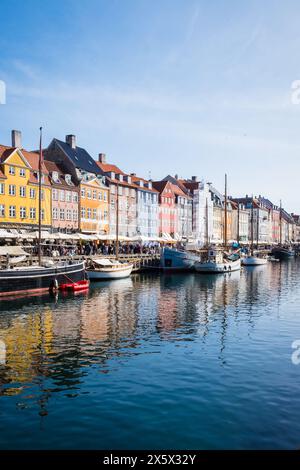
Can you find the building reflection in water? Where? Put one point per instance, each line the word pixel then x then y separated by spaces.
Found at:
pixel 57 339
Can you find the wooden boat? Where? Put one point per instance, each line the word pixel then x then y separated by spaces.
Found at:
pixel 218 262
pixel 281 252
pixel 106 269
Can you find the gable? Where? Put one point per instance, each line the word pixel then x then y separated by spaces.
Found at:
pixel 17 158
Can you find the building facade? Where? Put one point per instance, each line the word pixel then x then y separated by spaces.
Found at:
pixel 147 208
pixel 19 189
pixel 94 206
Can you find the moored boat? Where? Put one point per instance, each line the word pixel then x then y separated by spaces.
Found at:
pixel 281 252
pixel 253 261
pixel 174 259
pixel 218 262
pixel 39 279
pixel 106 269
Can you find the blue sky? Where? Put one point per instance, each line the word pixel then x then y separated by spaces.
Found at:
pixel 161 86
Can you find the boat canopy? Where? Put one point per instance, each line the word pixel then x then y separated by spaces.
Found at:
pixel 103 262
pixel 12 251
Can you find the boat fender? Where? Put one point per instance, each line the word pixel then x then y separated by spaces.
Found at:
pixel 53 286
pixel 229 268
pixel 225 268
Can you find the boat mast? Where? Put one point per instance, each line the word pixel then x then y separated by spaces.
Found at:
pixel 225 214
pixel 40 199
pixel 252 227
pixel 280 223
pixel 117 223
pixel 206 220
pixel 238 224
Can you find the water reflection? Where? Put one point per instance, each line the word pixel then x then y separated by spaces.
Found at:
pixel 50 342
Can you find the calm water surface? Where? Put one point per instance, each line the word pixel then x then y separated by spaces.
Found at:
pixel 171 361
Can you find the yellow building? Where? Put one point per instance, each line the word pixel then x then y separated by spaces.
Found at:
pixel 19 184
pixel 94 206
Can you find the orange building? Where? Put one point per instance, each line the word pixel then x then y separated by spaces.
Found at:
pixel 94 206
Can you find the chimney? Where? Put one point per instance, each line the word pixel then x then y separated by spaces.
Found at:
pixel 176 177
pixel 71 141
pixel 16 139
pixel 102 158
pixel 194 178
pixel 132 174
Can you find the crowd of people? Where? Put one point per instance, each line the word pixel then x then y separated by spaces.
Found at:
pixel 97 248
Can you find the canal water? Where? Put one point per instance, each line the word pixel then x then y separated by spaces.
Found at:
pixel 183 361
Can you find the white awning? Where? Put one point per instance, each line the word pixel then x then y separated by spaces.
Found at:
pixel 12 251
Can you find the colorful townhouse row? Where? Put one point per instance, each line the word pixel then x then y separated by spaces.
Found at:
pixel 82 194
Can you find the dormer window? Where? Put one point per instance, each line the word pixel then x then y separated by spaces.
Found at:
pixel 150 184
pixel 112 175
pixel 55 177
pixel 141 183
pixel 120 177
pixel 68 179
pixel 129 179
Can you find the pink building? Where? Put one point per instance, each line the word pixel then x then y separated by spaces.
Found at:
pixel 65 199
pixel 167 207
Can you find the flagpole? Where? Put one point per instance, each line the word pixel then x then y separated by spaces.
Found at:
pixel 40 199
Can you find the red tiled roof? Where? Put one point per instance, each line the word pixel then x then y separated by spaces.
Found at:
pixel 107 168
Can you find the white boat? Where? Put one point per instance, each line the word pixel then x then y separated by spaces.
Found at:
pixel 216 262
pixel 174 259
pixel 254 261
pixel 106 269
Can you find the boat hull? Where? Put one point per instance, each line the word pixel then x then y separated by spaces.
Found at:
pixel 172 259
pixel 282 253
pixel 20 281
pixel 106 274
pixel 254 261
pixel 218 268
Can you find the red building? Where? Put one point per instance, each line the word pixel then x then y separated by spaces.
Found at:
pixel 167 207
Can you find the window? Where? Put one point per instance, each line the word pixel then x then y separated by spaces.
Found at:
pixel 32 213
pixel 22 191
pixel 89 214
pixel 2 188
pixel 62 214
pixel 22 172
pixel 100 214
pixel 61 195
pixel 23 212
pixel 89 194
pixel 68 196
pixel 12 189
pixel 113 189
pixel 94 194
pixel 105 215
pixel 120 192
pixel 95 214
pixel 43 214
pixel 105 196
pixel 32 193
pixel 54 213
pixel 75 197
pixel 100 196
pixel 83 192
pixel 2 210
pixel 75 215
pixel 126 191
pixel 12 211
pixel 69 214
pixel 83 212
pixel 12 170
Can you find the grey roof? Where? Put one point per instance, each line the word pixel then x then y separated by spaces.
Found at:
pixel 80 157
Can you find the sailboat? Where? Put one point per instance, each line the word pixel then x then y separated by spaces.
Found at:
pixel 280 251
pixel 36 279
pixel 104 269
pixel 252 260
pixel 216 260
